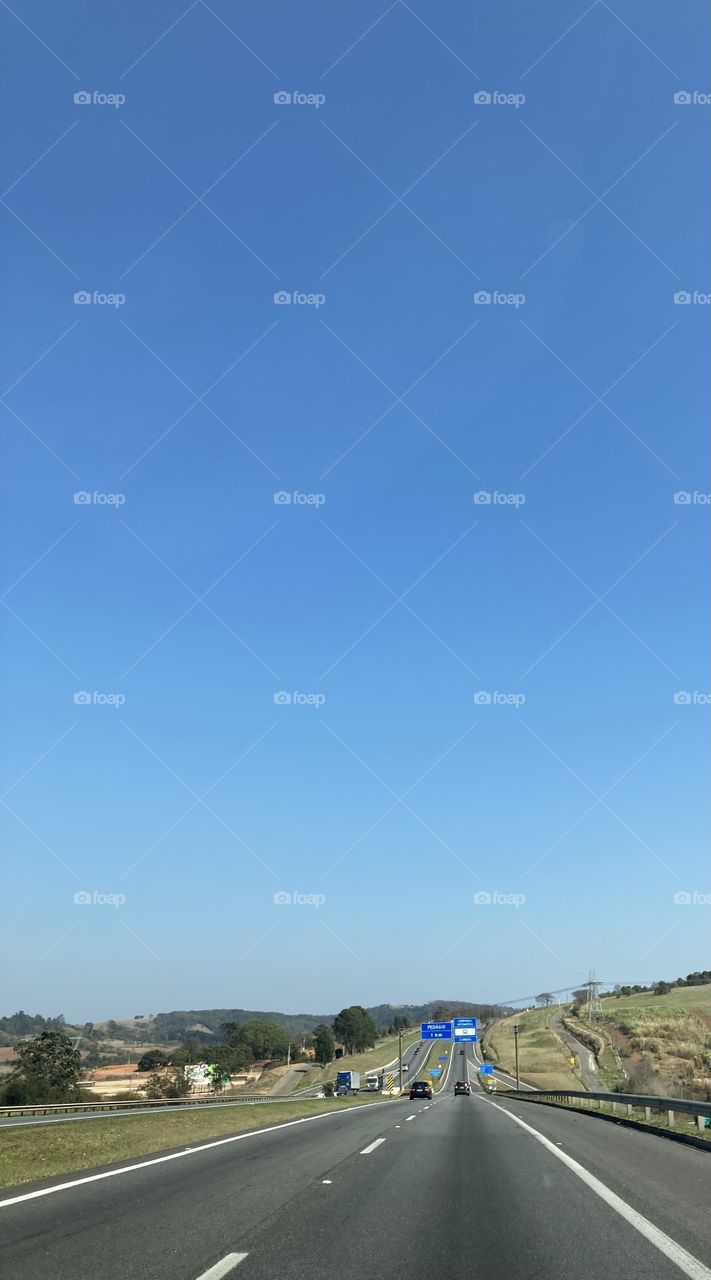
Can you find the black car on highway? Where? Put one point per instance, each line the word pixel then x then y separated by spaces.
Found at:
pixel 420 1089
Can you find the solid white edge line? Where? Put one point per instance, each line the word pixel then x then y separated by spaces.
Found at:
pixel 222 1268
pixel 367 1150
pixel 191 1151
pixel 685 1261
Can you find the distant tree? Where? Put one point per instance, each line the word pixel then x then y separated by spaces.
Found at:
pixel 355 1028
pixel 545 999
pixel 581 995
pixel 152 1059
pixel 172 1084
pixel 48 1072
pixel 324 1045
pixel 264 1039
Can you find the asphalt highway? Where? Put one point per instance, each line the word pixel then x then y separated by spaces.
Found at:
pixel 471 1187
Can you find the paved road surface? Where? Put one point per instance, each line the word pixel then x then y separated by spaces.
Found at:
pixel 586 1059
pixel 476 1188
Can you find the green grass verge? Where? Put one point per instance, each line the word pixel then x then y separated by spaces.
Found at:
pixel 43 1151
pixel 543 1057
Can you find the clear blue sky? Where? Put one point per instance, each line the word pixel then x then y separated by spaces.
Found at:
pixel 394 597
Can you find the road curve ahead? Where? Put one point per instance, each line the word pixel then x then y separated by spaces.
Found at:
pixel 467 1187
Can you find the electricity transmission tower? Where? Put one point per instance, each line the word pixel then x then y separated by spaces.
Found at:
pixel 593 1007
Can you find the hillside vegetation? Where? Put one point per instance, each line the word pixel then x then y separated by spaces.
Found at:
pixel 664 1041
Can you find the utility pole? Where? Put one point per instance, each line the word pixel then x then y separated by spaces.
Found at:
pixel 399 1052
pixel 288 1054
pixel 516 1031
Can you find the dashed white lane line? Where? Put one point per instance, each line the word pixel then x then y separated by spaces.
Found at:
pixel 223 1268
pixel 686 1262
pixel 178 1155
pixel 367 1150
pixel 412 1117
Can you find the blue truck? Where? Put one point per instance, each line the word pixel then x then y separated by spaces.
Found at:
pixel 347 1082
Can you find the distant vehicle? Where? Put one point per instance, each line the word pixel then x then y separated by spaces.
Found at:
pixel 420 1089
pixel 347 1082
pixel 405 1067
pixel 372 1083
pixel 462 1087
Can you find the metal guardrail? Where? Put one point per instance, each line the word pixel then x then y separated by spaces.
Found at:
pixel 74 1108
pixel 622 1102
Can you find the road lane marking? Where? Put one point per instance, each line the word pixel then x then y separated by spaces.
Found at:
pixel 367 1150
pixel 412 1117
pixel 220 1269
pixel 685 1261
pixel 192 1151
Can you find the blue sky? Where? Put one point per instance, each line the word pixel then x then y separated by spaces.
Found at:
pixel 181 597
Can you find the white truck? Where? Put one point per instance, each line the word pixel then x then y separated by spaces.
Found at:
pixel 373 1083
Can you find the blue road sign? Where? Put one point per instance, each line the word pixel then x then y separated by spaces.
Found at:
pixel 486 1069
pixel 435 1071
pixel 443 1058
pixel 436 1031
pixel 465 1030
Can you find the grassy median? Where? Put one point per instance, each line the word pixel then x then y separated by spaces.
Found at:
pixel 32 1152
